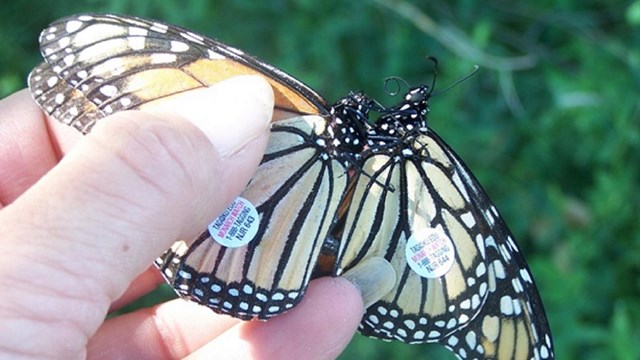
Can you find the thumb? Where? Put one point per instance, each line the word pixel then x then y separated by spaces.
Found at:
pixel 140 181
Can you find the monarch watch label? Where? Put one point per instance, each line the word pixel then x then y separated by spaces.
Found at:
pixel 430 253
pixel 237 225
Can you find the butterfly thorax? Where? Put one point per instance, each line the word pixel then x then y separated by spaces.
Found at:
pixel 350 124
pixel 352 134
pixel 401 123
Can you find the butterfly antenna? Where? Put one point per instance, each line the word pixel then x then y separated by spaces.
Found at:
pixel 435 72
pixel 397 81
pixel 473 72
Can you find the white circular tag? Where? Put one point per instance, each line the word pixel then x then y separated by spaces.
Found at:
pixel 237 225
pixel 430 253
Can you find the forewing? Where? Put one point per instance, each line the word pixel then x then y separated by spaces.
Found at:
pixel 119 63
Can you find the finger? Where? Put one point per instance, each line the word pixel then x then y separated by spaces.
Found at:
pixel 140 286
pixel 168 331
pixel 138 182
pixel 320 327
pixel 26 150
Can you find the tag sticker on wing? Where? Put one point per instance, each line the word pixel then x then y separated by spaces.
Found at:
pixel 237 225
pixel 430 253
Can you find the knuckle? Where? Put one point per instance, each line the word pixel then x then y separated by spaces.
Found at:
pixel 164 154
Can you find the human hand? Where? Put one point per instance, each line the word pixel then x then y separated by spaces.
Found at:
pixel 78 233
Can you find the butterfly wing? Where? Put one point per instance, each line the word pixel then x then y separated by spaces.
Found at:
pixel 486 304
pixel 296 192
pixel 400 196
pixel 61 101
pixel 97 65
pixel 121 62
pixel 513 322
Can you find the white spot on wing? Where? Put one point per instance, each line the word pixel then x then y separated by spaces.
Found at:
pixel 498 268
pixel 193 37
pixel 471 339
pixel 466 304
pixel 468 219
pixel 64 42
pixel 517 308
pixel 179 46
pixel 410 324
pixel 489 216
pixel 506 305
pixel 69 59
pixel 214 55
pixel 52 81
pixel 73 25
pixel 158 27
pixel 59 99
pixel 480 244
pixel 475 300
pixel 108 90
pixel 125 101
pixel 234 50
pixel 137 31
pixel 481 270
pixel 163 58
pixel 453 341
pixel 544 352
pixel 136 42
pixel 524 274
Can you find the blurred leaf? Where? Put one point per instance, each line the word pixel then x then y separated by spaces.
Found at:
pixel 633 13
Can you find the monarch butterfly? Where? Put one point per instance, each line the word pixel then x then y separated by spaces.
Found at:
pixel 331 181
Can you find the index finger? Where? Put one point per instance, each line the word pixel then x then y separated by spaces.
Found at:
pixel 30 144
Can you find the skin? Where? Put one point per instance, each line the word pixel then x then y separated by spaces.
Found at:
pixel 78 232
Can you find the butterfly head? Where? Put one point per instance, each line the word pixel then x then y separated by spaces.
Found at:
pixel 418 99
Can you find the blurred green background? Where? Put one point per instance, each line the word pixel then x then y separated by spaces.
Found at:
pixel 550 125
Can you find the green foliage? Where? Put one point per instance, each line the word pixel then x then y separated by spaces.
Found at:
pixel 550 125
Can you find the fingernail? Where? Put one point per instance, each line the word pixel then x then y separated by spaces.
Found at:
pixel 231 113
pixel 375 277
